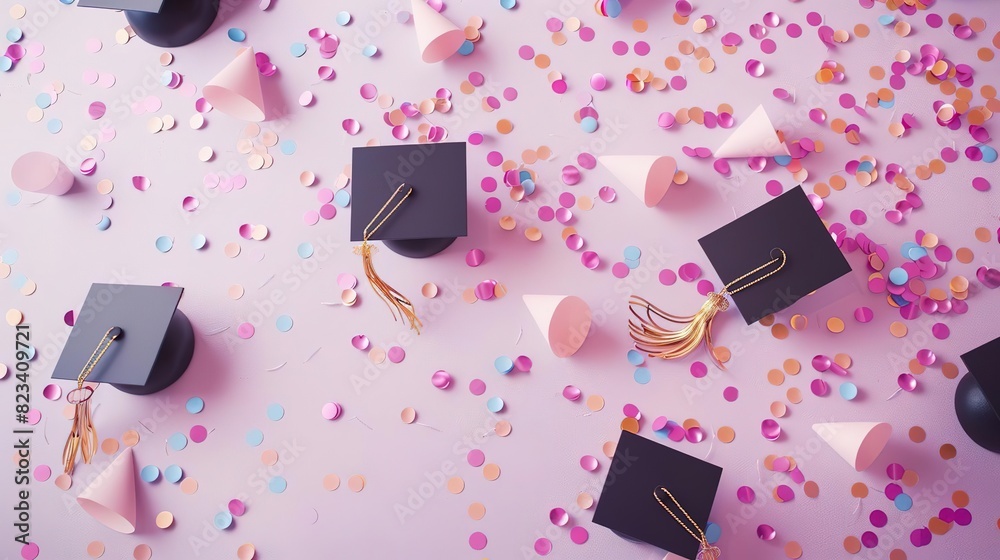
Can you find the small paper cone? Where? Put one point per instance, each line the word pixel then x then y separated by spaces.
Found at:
pixel 236 89
pixel 111 498
pixel 648 177
pixel 42 173
pixel 564 321
pixel 859 443
pixel 437 36
pixel 754 137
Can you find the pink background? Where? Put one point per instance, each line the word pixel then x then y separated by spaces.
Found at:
pixel 63 252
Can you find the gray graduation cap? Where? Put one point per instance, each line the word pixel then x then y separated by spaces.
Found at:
pixel 154 349
pixel 434 214
pixel 977 397
pixel 164 23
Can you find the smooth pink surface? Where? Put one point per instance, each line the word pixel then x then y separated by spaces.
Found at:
pixel 62 251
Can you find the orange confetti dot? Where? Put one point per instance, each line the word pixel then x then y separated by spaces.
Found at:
pixel 672 63
pixel 793 550
pixel 937 166
pixel 477 511
pixel 775 377
pixel 938 526
pixel 722 353
pixel 95 549
pixel 861 30
pixel 835 324
pixel 504 126
pixel 948 451
pixel 852 544
pixel 897 554
pixel 189 486
pixel 779 331
pixel 630 425
pixel 837 182
pixel 595 403
pixel 792 366
pixel 640 25
pixel 794 395
pixel 960 498
pixel 811 489
pixel 910 478
pixel 821 190
pixel 859 490
pixel 917 434
pixel 766 320
pixel 685 47
pixel 726 434
pixel 799 322
pixel 130 438
pixel 778 409
pixel 491 471
pixel 964 255
pixel 109 446
pixel 949 370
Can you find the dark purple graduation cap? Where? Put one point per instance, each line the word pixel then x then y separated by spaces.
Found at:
pixel 977 397
pixel 164 23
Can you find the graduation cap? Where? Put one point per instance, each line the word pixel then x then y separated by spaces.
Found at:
pixel 154 346
pixel 790 223
pixel 641 467
pixel 977 397
pixel 434 214
pixel 164 23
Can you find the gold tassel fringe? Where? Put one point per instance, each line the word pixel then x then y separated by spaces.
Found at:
pixel 82 437
pixel 396 301
pixel 660 342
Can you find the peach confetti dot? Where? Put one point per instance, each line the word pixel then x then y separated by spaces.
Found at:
pixel 775 377
pixel 189 486
pixel 477 511
pixel 491 471
pixel 595 403
pixel 64 481
pixel 779 331
pixel 793 550
pixel 859 490
pixel 852 544
pixel 456 485
pixel 356 483
pixel 130 438
pixel 164 519
pixel 794 395
pixel 948 451
pixel 835 325
pixel 142 552
pixel 109 446
pixel 331 482
pixel 726 434
pixel 811 489
pixel 917 434
pixel 95 549
pixel 246 552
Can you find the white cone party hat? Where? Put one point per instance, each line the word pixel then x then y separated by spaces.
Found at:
pixel 236 89
pixel 859 443
pixel 437 36
pixel 754 137
pixel 111 498
pixel 648 177
pixel 564 321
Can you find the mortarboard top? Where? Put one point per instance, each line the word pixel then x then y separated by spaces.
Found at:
pixel 436 208
pixel 151 6
pixel 151 324
pixel 984 370
pixel 627 505
pixel 788 222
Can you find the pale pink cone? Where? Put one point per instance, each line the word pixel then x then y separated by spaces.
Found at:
pixel 859 443
pixel 648 177
pixel 111 498
pixel 42 173
pixel 437 36
pixel 564 321
pixel 236 89
pixel 754 137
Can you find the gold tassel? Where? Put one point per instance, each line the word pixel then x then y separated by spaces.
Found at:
pixel 396 301
pixel 660 342
pixel 83 435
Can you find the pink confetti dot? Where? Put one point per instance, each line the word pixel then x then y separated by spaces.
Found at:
pixel 768 46
pixel 396 354
pixel 477 387
pixel 773 187
pixel 620 48
pixel 641 48
pixel 510 94
pixel 699 369
pixel 689 272
pixel 477 541
pixel 793 30
pixel 526 52
pixel 981 184
pixel 578 535
pixel 940 331
pixel 493 205
pixel 543 546
pixel 476 457
pixel 494 158
pixel 678 83
pixel 667 277
pixel 587 34
pixel 731 394
pixel 590 259
pixel 245 330
pixel 198 433
pixel 589 463
pixel 475 257
pixel 620 270
pixel 42 473
pixel 559 86
pixel 745 494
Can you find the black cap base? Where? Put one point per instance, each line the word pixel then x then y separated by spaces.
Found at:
pixel 976 415
pixel 171 361
pixel 419 248
pixel 178 23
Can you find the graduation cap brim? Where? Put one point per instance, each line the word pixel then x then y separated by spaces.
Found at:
pixel 436 208
pixel 627 505
pixel 150 6
pixel 155 346
pixel 788 222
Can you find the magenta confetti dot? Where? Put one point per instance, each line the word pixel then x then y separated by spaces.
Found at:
pixel 475 257
pixel 494 158
pixel 821 363
pixel 940 331
pixel 620 48
pixel 705 287
pixel 963 517
pixel 819 387
pixel 766 532
pixel 559 86
pixel 689 272
pixel 578 535
pixel 543 546
pixel 198 433
pixel 981 184
pixel 678 83
pixel 558 516
pixel 695 434
pixel 768 46
pixel 52 392
pixel 590 259
pixel 746 495
pixel 477 541
pixel 878 518
pixel 907 382
pixel 755 68
pixel 571 392
pixel 869 539
pixel 620 270
pixel 589 463
pixel 526 52
pixel 641 48
pixel 730 394
pixel 237 507
pixel 770 429
pixel 587 34
pixel 920 537
pixel 892 490
pixel 699 369
pixel 493 205
pixel 441 379
pixel 477 387
pixel 667 277
pixel 895 471
pixel 773 187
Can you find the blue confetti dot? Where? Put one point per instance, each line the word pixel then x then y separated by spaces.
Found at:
pixel 342 198
pixel 18 279
pixel 275 412
pixel 898 276
pixel 54 126
pixel 254 437
pixel 6 64
pixel 177 441
pixel 903 502
pixel 305 250
pixel 288 147
pixel 297 49
pixel 529 186
pixel 14 34
pixel 164 243
pixel 866 166
pixel 989 154
pixel 635 357
pixel 467 48
pixel 10 256
pixel 149 473
pixel 632 252
pixel 642 375
pixel 900 300
pixel 495 404
pixel 104 224
pixel 783 160
pixel 631 264
pixel 343 18
pixel 223 520
pixel 195 405
pixel 503 364
pixel 284 323
pixel 508 4
pixel 67 2
pixel 886 104
pixel 524 176
pixel 199 241
pixel 369 50
pixel 173 474
pixel 237 34
pixel 916 253
pixel 849 390
pixel 588 124
pixel 166 78
pixel 277 484
pixel 30 350
pixel 712 532
pixel 613 8
pixel 886 19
